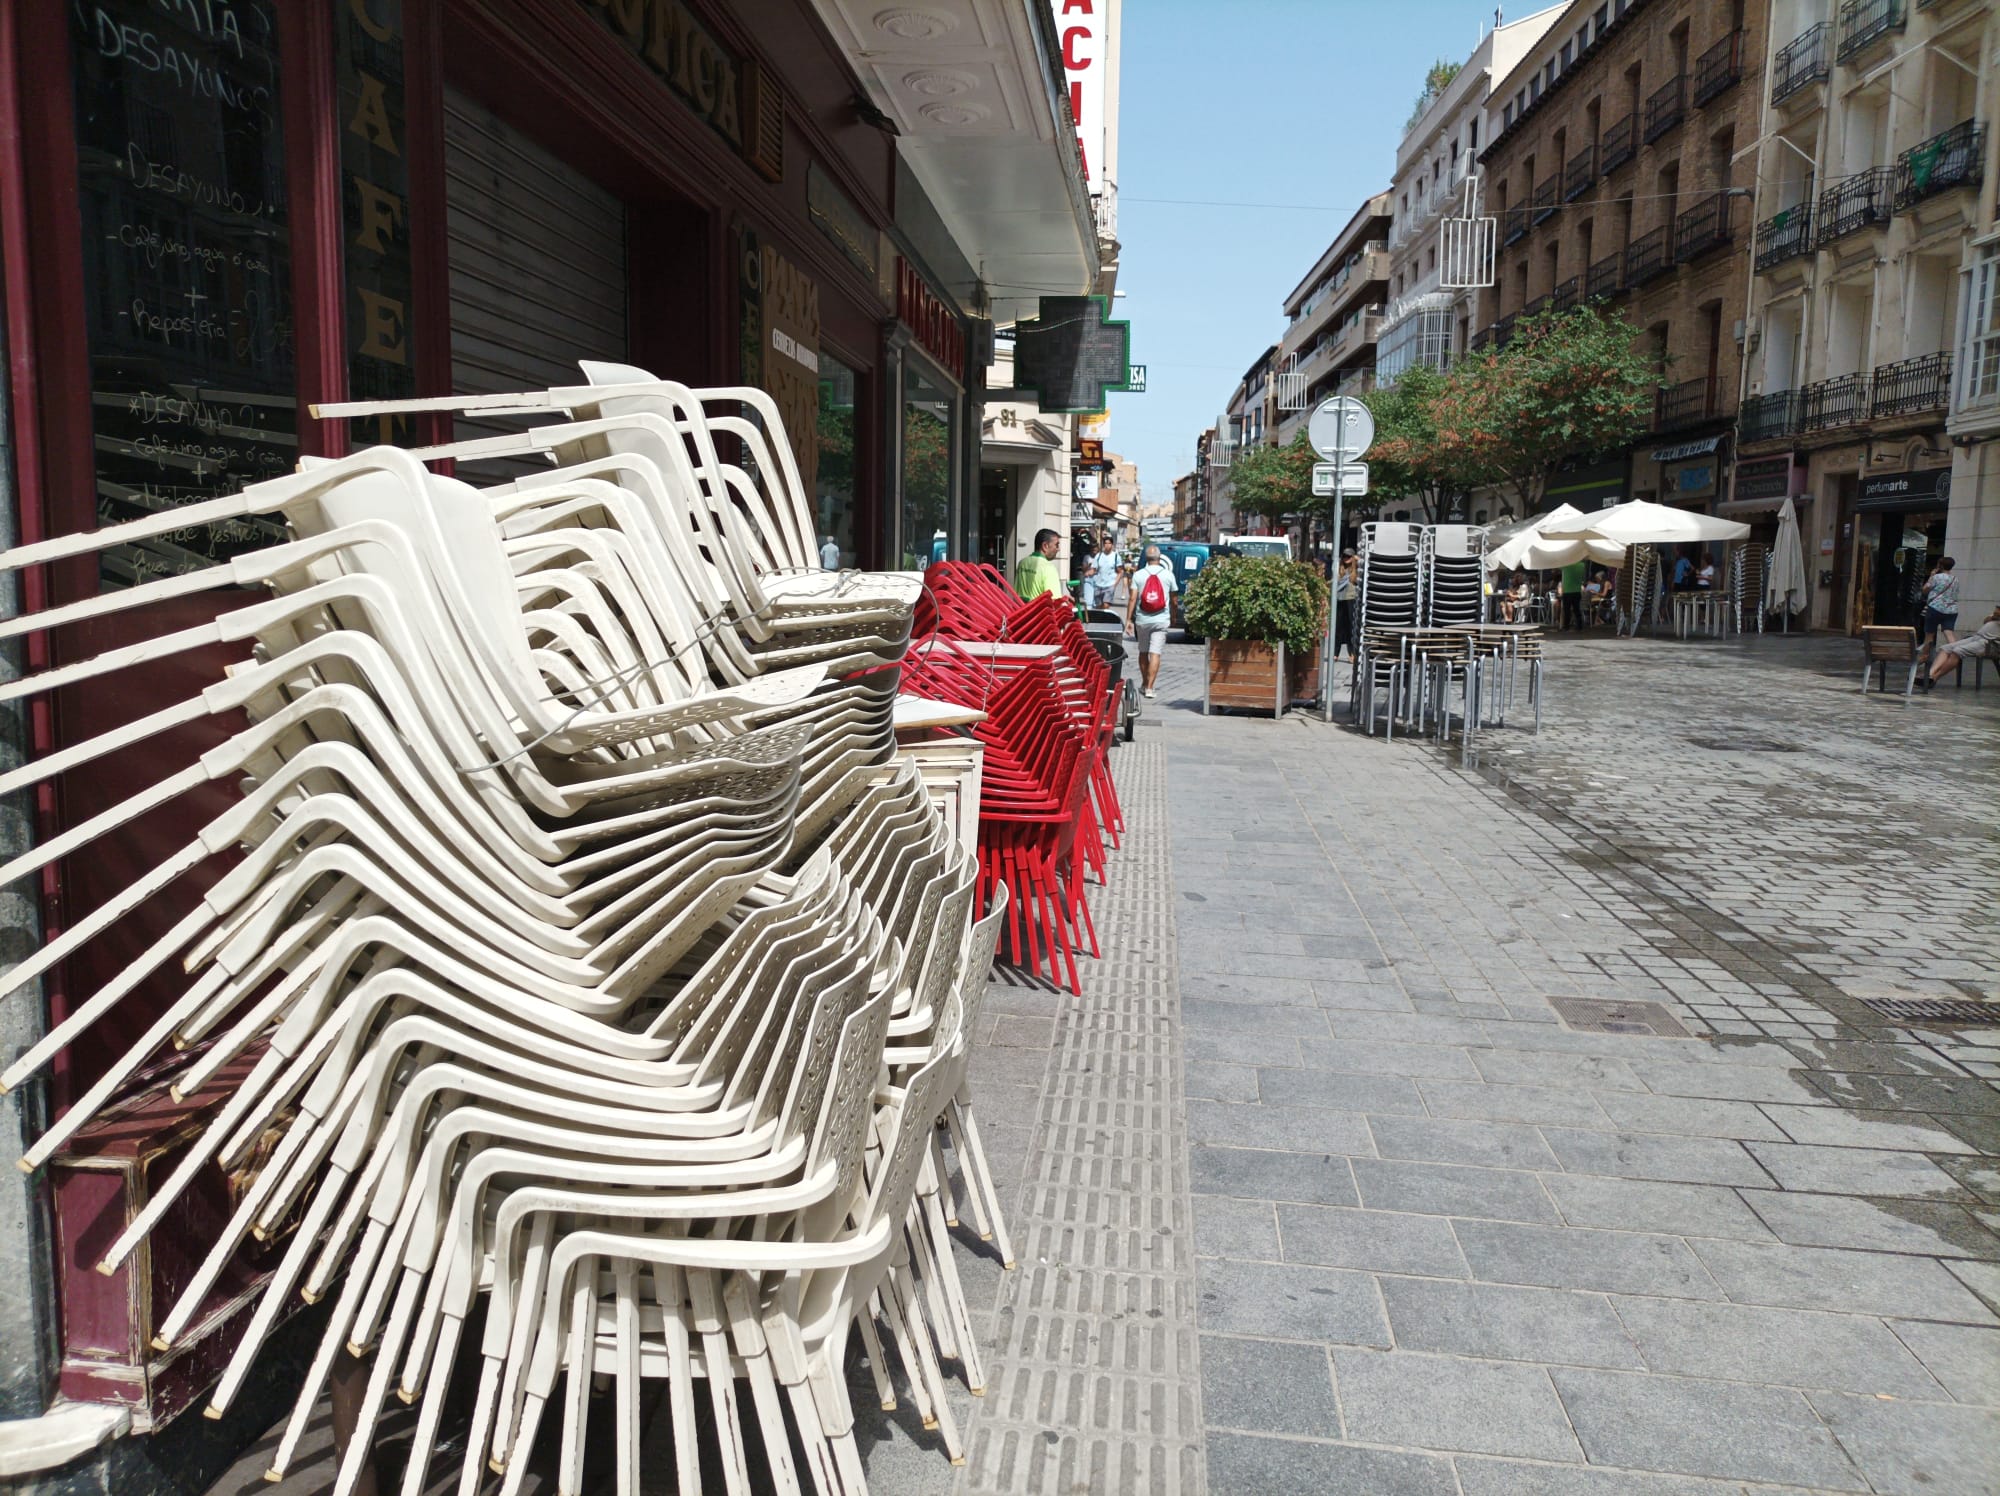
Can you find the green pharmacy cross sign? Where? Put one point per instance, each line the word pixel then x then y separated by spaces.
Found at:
pixel 1072 355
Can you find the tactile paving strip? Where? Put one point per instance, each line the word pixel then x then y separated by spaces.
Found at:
pixel 1094 1379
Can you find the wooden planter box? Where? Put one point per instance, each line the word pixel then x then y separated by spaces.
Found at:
pixel 1256 676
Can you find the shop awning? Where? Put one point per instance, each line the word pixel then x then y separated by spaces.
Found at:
pixel 1681 451
pixel 981 120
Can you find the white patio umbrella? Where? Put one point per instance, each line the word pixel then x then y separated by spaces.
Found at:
pixel 1644 523
pixel 1785 588
pixel 1527 546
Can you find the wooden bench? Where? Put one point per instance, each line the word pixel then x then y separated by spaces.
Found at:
pixel 1883 645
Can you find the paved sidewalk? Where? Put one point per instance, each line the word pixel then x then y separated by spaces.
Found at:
pixel 1448 1243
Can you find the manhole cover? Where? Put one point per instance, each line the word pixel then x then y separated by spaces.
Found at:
pixel 1744 745
pixel 1592 1015
pixel 1936 1009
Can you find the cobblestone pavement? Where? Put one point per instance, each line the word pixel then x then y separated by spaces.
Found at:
pixel 1314 1191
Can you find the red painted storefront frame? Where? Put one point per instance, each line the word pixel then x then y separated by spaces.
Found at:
pixel 515 55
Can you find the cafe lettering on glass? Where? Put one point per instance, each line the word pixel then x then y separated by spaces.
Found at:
pixel 187 267
pixel 375 218
pixel 922 311
pixel 781 344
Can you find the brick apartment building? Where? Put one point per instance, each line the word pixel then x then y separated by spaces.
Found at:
pixel 1614 172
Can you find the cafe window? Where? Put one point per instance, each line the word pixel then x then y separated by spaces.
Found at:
pixel 928 464
pixel 834 483
pixel 187 270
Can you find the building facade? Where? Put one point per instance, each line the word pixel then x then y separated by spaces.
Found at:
pixel 214 217
pixel 1333 318
pixel 1619 177
pixel 1874 217
pixel 1438 160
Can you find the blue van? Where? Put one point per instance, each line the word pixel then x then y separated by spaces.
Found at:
pixel 1187 558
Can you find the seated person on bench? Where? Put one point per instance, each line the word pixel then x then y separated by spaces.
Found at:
pixel 1983 643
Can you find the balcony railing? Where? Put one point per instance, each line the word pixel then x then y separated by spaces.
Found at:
pixel 1504 329
pixel 1604 278
pixel 1785 235
pixel 1648 257
pixel 1833 402
pixel 1863 22
pixel 1545 199
pixel 1802 61
pixel 1854 203
pixel 1679 406
pixel 1619 145
pixel 1767 418
pixel 1565 294
pixel 1702 228
pixel 1914 384
pixel 1941 163
pixel 1513 224
pixel 1580 173
pixel 1536 307
pixel 1666 107
pixel 1718 69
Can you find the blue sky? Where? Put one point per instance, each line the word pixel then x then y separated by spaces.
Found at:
pixel 1248 101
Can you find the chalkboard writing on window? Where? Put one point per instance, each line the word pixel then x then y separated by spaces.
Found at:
pixel 187 273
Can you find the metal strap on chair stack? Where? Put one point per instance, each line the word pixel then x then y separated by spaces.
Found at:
pixel 587 955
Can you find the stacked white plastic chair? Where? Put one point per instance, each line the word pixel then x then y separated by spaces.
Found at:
pixel 594 957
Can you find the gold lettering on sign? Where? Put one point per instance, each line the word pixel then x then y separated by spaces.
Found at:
pixel 382 328
pixel 789 338
pixel 371 116
pixel 381 215
pixel 683 55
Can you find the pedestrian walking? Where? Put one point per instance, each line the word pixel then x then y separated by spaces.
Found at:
pixel 1572 595
pixel 829 553
pixel 1346 597
pixel 1100 577
pixel 1940 604
pixel 1149 614
pixel 1037 572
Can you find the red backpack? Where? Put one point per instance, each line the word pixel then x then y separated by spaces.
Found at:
pixel 1152 596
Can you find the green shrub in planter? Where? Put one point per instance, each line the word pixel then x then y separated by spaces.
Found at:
pixel 1265 598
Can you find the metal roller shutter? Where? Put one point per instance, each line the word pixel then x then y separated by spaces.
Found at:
pixel 537 256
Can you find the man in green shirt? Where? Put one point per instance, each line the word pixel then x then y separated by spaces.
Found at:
pixel 1572 591
pixel 1037 572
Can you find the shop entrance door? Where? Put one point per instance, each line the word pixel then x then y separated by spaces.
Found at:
pixel 1841 590
pixel 538 264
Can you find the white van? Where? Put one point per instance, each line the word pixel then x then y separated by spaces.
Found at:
pixel 1260 545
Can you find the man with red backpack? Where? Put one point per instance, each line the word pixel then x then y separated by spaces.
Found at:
pixel 1149 614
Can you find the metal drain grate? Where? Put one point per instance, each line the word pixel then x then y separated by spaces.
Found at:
pixel 1593 1015
pixel 1936 1009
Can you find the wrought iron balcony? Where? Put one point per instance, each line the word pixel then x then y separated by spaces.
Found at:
pixel 1767 418
pixel 1785 235
pixel 1580 173
pixel 1864 22
pixel 1804 60
pixel 1702 228
pixel 1666 107
pixel 1718 69
pixel 1941 163
pixel 1854 203
pixel 1545 199
pixel 1536 307
pixel 1565 294
pixel 1604 278
pixel 1913 385
pixel 1504 329
pixel 1619 144
pixel 1647 258
pixel 1679 406
pixel 1841 401
pixel 1513 224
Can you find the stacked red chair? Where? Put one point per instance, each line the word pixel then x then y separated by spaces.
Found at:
pixel 1047 800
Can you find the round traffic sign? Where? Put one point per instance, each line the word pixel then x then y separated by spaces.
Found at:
pixel 1341 428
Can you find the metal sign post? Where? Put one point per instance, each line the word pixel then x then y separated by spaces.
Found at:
pixel 1341 430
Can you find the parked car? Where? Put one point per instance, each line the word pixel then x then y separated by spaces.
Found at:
pixel 1259 545
pixel 1187 557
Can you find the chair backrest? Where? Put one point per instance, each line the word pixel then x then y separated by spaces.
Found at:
pixel 1884 641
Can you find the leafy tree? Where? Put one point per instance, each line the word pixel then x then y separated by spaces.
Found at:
pixel 1275 482
pixel 1567 385
pixel 1408 461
